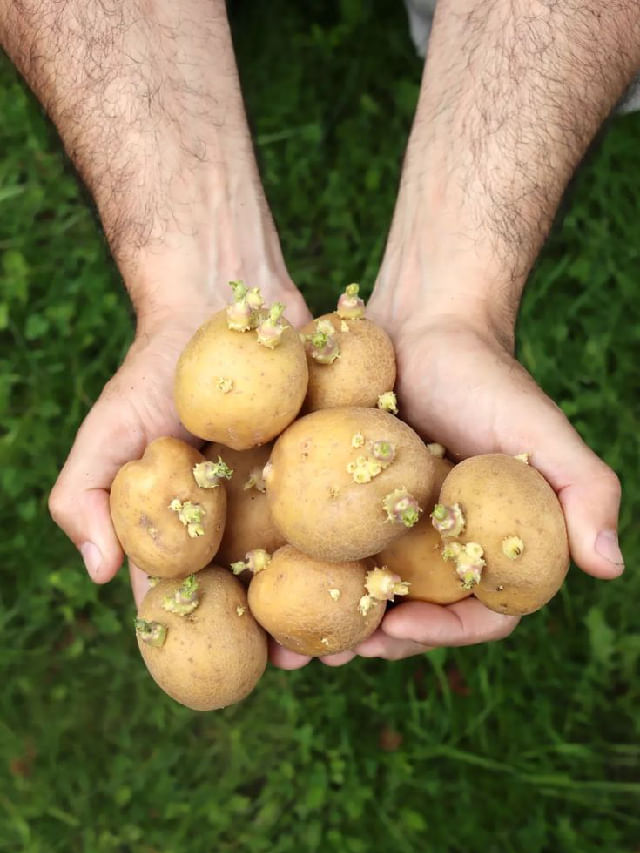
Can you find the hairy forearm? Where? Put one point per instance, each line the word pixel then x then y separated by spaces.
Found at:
pixel 512 94
pixel 146 97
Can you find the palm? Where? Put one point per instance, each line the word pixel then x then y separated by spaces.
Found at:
pixel 465 390
pixel 135 407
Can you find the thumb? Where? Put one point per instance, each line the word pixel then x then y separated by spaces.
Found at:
pixel 589 492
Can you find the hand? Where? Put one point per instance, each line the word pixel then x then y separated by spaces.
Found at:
pixel 459 384
pixel 135 407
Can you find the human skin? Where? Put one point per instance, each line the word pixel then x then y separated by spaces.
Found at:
pixel 146 98
pixel 512 94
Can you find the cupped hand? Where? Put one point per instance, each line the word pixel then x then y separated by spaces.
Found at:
pixel 459 384
pixel 135 407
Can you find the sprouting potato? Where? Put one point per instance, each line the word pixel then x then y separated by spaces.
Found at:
pixel 167 523
pixel 313 607
pixel 351 359
pixel 343 483
pixel 417 557
pixel 503 528
pixel 199 640
pixel 242 377
pixel 249 523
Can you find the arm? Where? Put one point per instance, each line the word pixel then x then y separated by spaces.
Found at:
pixel 146 97
pixel 512 94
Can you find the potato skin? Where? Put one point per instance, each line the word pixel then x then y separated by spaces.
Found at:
pixel 314 500
pixel 249 523
pixel 268 386
pixel 150 533
pixel 291 600
pixel 213 657
pixel 416 557
pixel 365 369
pixel 501 496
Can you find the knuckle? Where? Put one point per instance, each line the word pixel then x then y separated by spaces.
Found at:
pixel 605 480
pixel 612 483
pixel 504 628
pixel 57 504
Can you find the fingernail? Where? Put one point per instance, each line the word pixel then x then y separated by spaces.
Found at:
pixel 92 558
pixel 607 546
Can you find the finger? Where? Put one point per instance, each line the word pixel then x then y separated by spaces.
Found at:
pixel 79 501
pixel 285 658
pixel 339 659
pixel 461 624
pixel 379 645
pixel 85 517
pixel 587 488
pixel 589 492
pixel 140 583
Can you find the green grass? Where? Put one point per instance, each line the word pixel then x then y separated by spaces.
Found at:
pixel 530 745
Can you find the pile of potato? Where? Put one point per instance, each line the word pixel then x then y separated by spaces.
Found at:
pixel 318 504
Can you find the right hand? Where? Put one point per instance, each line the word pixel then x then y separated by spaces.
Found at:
pixel 135 407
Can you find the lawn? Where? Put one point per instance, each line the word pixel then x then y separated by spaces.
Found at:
pixel 530 745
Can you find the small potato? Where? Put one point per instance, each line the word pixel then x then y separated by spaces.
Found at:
pixel 364 368
pixel 249 524
pixel 417 558
pixel 330 490
pixel 207 657
pixel 231 389
pixel 510 510
pixel 313 607
pixel 164 541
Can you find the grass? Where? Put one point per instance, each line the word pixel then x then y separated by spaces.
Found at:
pixel 530 745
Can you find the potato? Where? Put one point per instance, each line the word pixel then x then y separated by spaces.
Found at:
pixel 234 389
pixel 166 523
pixel 513 514
pixel 208 656
pixel 343 483
pixel 352 368
pixel 417 558
pixel 313 607
pixel 249 523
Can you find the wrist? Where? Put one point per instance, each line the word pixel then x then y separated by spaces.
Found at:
pixel 185 275
pixel 432 271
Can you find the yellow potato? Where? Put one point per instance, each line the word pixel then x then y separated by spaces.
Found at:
pixel 417 558
pixel 164 541
pixel 313 607
pixel 231 389
pixel 249 523
pixel 210 657
pixel 511 511
pixel 364 368
pixel 330 497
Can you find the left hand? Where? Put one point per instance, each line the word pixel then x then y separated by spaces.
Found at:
pixel 461 385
